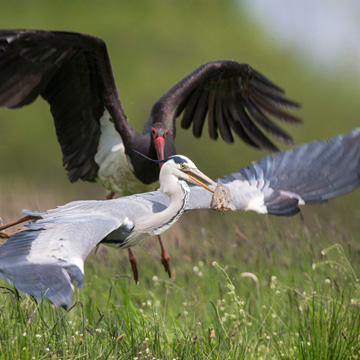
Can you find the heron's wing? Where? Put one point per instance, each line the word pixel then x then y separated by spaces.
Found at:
pixel 44 258
pixel 278 184
pixel 72 72
pixel 235 99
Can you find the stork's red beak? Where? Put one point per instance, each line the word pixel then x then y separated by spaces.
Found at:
pixel 159 147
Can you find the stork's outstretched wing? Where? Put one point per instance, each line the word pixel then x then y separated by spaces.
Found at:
pixel 234 97
pixel 72 72
pixel 309 173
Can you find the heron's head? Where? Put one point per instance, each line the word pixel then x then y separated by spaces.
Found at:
pixel 158 136
pixel 183 168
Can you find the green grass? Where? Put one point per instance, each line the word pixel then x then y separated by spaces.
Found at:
pixel 273 294
pixel 245 286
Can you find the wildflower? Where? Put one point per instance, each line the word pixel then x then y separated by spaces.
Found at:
pixel 120 338
pixel 273 282
pixel 327 281
pixel 155 278
pixel 38 336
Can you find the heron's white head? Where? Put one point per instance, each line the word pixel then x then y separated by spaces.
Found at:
pixel 180 167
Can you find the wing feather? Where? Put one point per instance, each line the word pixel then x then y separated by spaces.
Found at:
pixel 72 72
pixel 278 184
pixel 234 84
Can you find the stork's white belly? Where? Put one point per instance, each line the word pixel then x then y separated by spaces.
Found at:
pixel 116 172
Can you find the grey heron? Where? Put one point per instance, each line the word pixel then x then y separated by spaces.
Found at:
pixel 48 255
pixel 72 72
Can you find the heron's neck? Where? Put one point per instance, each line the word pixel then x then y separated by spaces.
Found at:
pixel 179 196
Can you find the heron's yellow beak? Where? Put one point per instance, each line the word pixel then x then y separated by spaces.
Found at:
pixel 195 176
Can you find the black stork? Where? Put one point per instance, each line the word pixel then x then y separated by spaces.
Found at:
pixel 72 72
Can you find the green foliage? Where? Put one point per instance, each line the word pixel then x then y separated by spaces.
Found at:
pixel 243 288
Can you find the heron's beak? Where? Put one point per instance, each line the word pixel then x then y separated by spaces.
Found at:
pixel 195 176
pixel 159 143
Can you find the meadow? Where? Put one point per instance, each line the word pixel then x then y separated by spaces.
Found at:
pixel 244 286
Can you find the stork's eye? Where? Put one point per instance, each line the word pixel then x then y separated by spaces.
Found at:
pixel 153 133
pixel 165 134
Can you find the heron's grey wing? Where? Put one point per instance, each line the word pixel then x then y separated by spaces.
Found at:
pixel 278 184
pixel 44 258
pixel 72 72
pixel 234 97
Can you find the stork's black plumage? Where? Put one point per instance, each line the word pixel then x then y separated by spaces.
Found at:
pixel 72 72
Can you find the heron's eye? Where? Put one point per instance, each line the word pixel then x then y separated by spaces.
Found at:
pixel 183 166
pixel 153 133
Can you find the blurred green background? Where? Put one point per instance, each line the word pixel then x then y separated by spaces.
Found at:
pixel 153 44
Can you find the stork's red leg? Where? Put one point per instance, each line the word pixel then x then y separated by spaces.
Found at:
pixel 165 257
pixel 133 263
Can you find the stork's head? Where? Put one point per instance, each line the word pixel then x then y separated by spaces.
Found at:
pixel 158 136
pixel 183 168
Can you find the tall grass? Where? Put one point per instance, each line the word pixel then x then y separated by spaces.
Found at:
pixel 249 287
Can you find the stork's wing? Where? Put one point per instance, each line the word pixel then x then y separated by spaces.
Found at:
pixel 278 184
pixel 44 258
pixel 234 97
pixel 72 72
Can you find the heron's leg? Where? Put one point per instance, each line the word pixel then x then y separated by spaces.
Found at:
pixel 133 263
pixel 18 221
pixel 165 257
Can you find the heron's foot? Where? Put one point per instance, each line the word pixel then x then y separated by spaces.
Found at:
pixel 4 235
pixel 165 257
pixel 165 260
pixel 134 267
pixel 110 195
